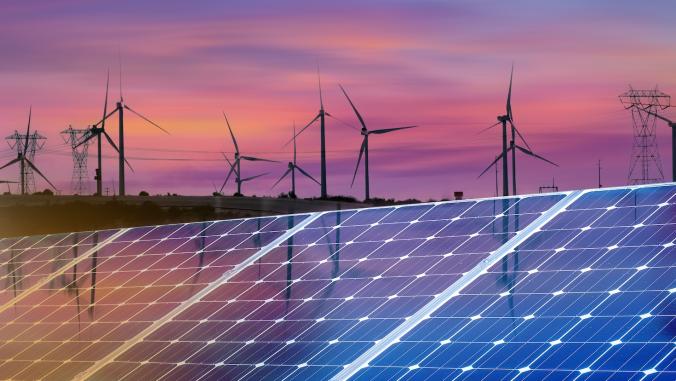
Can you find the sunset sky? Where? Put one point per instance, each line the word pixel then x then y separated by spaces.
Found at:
pixel 441 65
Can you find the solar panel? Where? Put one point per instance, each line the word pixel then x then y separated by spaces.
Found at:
pixel 90 305
pixel 25 261
pixel 566 286
pixel 327 293
pixel 588 295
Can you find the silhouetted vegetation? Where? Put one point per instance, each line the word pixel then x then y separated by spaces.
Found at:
pixel 20 220
pixel 390 201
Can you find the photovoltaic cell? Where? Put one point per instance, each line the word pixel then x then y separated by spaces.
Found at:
pixel 318 300
pixel 87 308
pixel 588 296
pixel 25 261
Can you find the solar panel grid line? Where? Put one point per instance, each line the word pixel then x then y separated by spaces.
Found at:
pixel 27 264
pixel 59 272
pixel 404 208
pixel 367 255
pixel 352 368
pixel 138 235
pixel 668 356
pixel 320 238
pixel 50 289
pixel 360 319
pixel 601 303
pixel 197 296
pixel 515 328
pixel 525 369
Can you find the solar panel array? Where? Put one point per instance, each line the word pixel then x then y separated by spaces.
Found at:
pixel 86 309
pixel 590 295
pixel 572 285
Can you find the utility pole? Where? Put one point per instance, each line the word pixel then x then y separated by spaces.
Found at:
pixel 646 165
pixel 599 165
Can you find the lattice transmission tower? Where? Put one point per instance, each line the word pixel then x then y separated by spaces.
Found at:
pixel 79 180
pixel 17 142
pixel 645 165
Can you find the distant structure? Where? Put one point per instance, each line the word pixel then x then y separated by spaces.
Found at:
pixel 25 146
pixel 513 146
pixel 236 165
pixel 73 136
pixel 120 106
pixel 321 116
pixel 36 142
pixel 645 166
pixel 364 150
pixel 292 166
pixel 549 188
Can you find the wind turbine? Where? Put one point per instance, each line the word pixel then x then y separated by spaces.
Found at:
pixel 513 146
pixel 321 116
pixel 292 166
pixel 22 159
pixel 364 150
pixel 671 124
pixel 236 165
pixel 120 106
pixel 96 132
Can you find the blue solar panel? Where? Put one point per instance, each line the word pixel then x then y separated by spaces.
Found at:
pixel 589 295
pixel 99 297
pixel 328 293
pixel 568 286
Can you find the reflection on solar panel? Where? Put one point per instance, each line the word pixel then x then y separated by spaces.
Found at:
pixel 574 285
pixel 588 296
pixel 315 303
pixel 82 312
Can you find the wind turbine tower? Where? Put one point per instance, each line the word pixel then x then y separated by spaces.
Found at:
pixel 73 137
pixel 321 117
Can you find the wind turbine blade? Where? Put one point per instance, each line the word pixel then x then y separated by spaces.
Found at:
pixel 319 81
pixel 307 175
pixel 488 128
pixel 282 178
pixel 232 165
pixel 39 173
pixel 520 136
pixel 530 153
pixel 251 158
pixel 10 163
pixel 112 143
pixel 302 129
pixel 294 142
pixel 386 130
pixel 361 152
pixel 497 158
pixel 90 135
pixel 147 120
pixel 232 169
pixel 253 177
pixel 361 120
pixel 509 95
pixel 105 103
pixel 102 121
pixel 28 130
pixel 234 141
